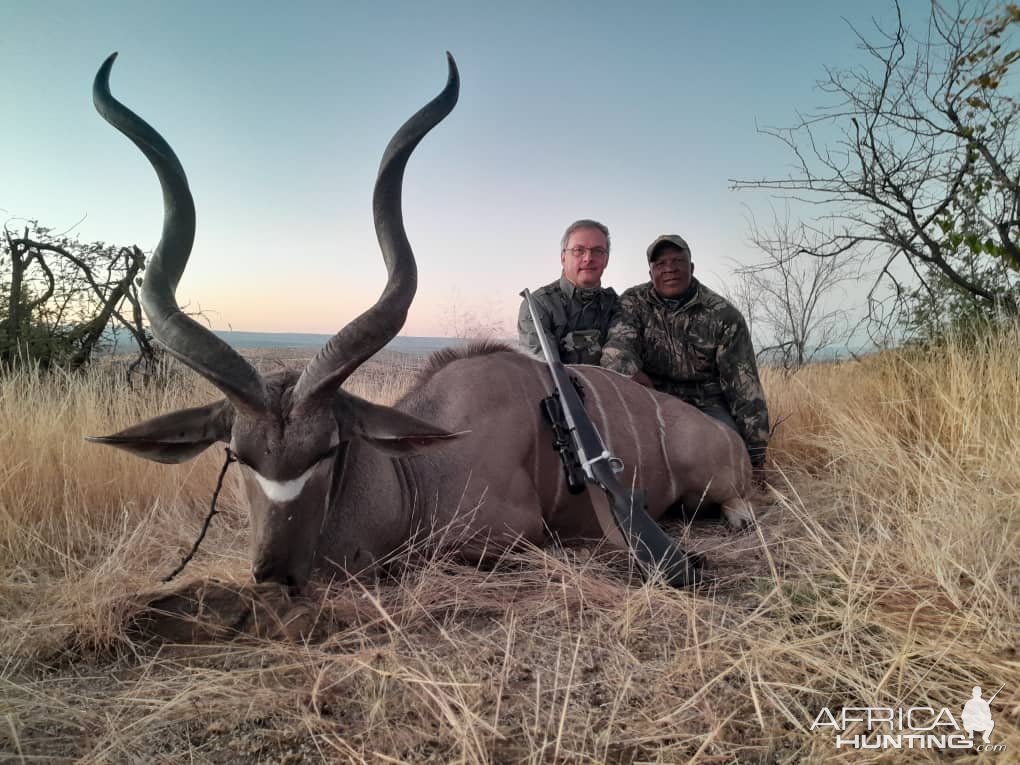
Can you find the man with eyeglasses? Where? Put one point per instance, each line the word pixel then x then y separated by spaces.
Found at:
pixel 575 310
pixel 677 336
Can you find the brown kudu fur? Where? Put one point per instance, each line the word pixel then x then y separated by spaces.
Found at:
pixel 335 483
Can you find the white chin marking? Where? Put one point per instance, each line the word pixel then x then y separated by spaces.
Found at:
pixel 283 491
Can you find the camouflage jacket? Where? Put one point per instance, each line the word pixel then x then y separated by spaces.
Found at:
pixel 576 319
pixel 699 351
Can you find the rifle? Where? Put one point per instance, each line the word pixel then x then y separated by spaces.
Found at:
pixel 587 463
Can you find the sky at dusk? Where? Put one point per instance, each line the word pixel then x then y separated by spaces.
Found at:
pixel 637 115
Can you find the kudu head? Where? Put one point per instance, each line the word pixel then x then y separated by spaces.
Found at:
pixel 288 431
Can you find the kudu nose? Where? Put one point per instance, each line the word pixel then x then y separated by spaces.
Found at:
pixel 269 571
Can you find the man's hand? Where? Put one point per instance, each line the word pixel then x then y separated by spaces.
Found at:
pixel 641 377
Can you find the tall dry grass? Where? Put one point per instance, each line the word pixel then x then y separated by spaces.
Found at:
pixel 885 572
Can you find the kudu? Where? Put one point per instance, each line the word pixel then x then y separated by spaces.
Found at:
pixel 335 483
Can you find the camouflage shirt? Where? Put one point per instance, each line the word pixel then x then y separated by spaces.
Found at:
pixel 699 350
pixel 575 318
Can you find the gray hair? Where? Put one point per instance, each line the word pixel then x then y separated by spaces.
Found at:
pixel 584 223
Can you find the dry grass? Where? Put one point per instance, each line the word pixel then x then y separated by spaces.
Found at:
pixel 886 572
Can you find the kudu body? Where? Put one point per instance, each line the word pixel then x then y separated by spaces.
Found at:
pixel 335 484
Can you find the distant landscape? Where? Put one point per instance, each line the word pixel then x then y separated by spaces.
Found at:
pixel 305 342
pixel 423 346
pixel 419 346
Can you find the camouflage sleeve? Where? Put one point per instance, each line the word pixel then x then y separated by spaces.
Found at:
pixel 738 376
pixel 526 334
pixel 622 351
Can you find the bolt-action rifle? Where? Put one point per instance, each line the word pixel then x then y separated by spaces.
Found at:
pixel 587 463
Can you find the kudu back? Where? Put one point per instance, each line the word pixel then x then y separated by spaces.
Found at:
pixel 335 484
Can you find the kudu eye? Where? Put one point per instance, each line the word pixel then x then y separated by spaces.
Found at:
pixel 238 458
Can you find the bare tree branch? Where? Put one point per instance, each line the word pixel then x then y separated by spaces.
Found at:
pixel 790 295
pixel 61 298
pixel 925 166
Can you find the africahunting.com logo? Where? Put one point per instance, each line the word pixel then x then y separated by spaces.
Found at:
pixel 913 727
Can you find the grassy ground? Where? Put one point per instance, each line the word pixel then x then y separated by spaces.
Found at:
pixel 885 571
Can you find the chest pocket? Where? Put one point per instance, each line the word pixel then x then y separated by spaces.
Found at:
pixel 702 357
pixel 674 349
pixel 661 350
pixel 582 346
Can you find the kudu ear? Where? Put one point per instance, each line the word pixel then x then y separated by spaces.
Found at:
pixel 177 436
pixel 387 429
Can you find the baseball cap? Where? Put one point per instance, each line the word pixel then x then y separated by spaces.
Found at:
pixel 674 239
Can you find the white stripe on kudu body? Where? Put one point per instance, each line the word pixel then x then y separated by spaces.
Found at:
pixel 624 410
pixel 630 419
pixel 589 388
pixel 662 443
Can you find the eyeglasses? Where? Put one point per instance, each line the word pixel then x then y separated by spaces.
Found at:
pixel 596 252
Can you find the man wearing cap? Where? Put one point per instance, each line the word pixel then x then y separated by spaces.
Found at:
pixel 677 336
pixel 575 309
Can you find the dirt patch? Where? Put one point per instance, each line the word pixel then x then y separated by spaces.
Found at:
pixel 207 611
